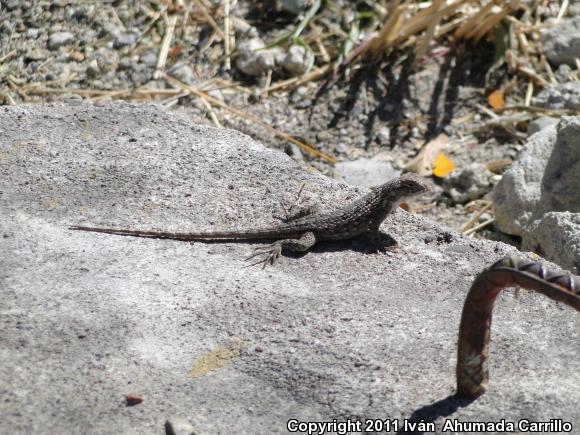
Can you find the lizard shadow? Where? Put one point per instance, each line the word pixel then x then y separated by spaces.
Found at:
pixel 441 408
pixel 360 244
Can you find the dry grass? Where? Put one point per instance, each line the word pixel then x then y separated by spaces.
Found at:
pixel 390 27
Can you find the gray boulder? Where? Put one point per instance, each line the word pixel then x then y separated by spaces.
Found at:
pixel 544 178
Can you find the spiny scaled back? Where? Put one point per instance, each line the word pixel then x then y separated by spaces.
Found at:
pixel 365 214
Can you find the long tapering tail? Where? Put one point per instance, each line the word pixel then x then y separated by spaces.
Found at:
pixel 259 234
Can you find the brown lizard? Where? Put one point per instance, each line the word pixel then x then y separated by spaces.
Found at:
pixel 363 216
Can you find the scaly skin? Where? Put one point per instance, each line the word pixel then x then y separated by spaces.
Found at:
pixel 363 216
pixel 475 330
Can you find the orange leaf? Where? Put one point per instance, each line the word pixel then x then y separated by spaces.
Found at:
pixel 496 99
pixel 442 165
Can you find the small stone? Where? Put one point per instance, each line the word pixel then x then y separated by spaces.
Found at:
pixel 108 29
pixel 298 60
pixel 294 6
pixel 178 426
pixel 469 183
pixel 6 28
pixel 73 100
pixel 32 33
pixel 149 58
pixel 183 73
pixel 243 28
pixel 253 61
pixel 77 56
pixel 563 73
pixel 124 40
pixel 82 12
pixel 59 39
pixel 10 5
pixel 217 94
pixel 93 69
pixel 35 54
pixel 125 64
pixel 384 136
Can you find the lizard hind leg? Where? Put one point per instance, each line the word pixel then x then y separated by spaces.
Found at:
pixel 272 252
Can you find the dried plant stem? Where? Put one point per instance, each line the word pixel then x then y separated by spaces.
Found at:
pixel 209 19
pixel 165 44
pixel 529 93
pixel 7 56
pixel 227 52
pixel 305 147
pixel 475 217
pixel 211 112
pixel 479 227
pixel 296 81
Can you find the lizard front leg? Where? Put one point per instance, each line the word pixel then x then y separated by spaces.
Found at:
pixel 273 251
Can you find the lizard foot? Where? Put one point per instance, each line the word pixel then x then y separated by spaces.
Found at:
pixel 272 253
pixel 392 248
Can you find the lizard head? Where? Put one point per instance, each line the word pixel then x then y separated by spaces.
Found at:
pixel 403 187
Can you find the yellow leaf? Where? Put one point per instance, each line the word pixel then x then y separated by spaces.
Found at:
pixel 496 99
pixel 422 164
pixel 442 165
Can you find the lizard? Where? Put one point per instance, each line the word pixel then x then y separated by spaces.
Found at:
pixel 361 217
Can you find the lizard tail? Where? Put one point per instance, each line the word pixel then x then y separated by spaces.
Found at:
pixel 219 235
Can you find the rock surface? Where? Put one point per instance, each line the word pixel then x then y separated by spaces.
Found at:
pixel 544 178
pixel 337 333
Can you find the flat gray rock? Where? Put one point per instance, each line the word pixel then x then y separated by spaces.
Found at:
pixel 90 320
